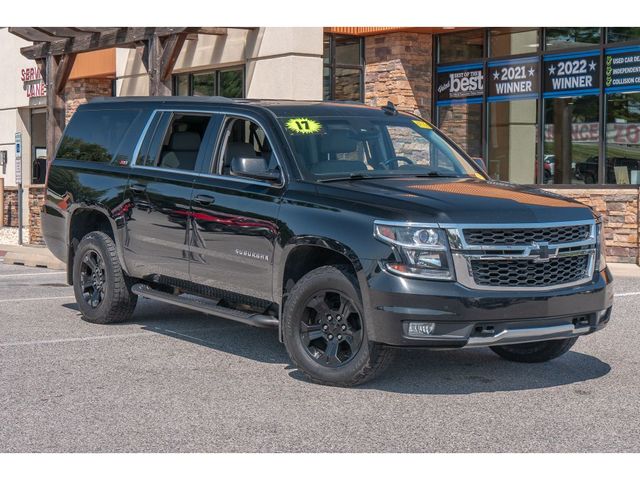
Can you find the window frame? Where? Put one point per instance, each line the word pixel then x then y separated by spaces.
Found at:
pixel 157 127
pixel 216 71
pixel 332 65
pixel 213 164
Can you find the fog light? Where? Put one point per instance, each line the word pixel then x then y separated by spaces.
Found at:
pixel 421 329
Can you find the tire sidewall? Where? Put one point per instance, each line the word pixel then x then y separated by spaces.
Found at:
pixel 93 242
pixel 324 278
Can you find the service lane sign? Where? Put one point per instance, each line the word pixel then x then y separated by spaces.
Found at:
pixel 622 69
pixel 513 79
pixel 572 74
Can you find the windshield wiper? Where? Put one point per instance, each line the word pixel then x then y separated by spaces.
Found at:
pixel 366 176
pixel 354 176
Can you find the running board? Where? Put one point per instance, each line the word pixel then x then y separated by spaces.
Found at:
pixel 204 306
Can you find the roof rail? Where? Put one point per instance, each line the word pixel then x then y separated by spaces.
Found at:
pixel 173 98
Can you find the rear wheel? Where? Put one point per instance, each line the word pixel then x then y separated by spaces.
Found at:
pixel 101 288
pixel 535 352
pixel 325 332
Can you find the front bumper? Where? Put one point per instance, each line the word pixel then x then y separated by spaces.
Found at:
pixel 464 317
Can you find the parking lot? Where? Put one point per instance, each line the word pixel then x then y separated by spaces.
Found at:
pixel 173 380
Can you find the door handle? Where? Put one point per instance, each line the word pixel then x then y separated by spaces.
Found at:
pixel 204 199
pixel 138 188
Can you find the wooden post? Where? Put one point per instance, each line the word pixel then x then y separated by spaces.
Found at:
pixel 155 69
pixel 55 107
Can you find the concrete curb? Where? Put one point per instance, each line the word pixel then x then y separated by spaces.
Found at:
pixel 31 257
pixel 624 269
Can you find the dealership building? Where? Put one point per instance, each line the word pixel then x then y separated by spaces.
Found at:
pixel 553 107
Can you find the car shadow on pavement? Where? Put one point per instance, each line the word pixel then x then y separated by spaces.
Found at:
pixel 414 371
pixel 460 372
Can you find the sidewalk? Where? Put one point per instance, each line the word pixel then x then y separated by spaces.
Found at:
pixel 30 256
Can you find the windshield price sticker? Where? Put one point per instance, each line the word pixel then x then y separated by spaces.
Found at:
pixel 622 69
pixel 575 73
pixel 303 125
pixel 422 124
pixel 513 78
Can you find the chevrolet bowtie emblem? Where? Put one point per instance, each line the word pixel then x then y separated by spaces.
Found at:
pixel 540 250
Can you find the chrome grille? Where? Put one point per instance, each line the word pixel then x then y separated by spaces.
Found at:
pixel 528 273
pixel 523 256
pixel 525 236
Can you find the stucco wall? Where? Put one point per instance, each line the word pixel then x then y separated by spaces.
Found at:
pixel 280 62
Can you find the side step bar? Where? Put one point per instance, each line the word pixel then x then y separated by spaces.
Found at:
pixel 204 306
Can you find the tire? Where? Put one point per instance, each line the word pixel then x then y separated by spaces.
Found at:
pixel 535 352
pixel 356 359
pixel 110 299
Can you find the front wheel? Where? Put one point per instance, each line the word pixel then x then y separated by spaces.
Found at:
pixel 325 332
pixel 535 352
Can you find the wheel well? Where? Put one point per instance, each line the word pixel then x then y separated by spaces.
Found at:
pixel 305 258
pixel 83 222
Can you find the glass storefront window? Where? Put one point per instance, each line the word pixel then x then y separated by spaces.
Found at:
pixel 347 50
pixel 512 147
pixel 622 150
pixel 463 123
pixel 225 83
pixel 571 37
pixel 622 34
pixel 459 46
pixel 571 140
pixel 182 84
pixel 343 72
pixel 204 84
pixel 347 84
pixel 512 41
pixel 231 83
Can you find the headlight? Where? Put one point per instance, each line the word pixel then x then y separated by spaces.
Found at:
pixel 602 254
pixel 421 250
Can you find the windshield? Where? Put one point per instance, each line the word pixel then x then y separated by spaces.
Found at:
pixel 334 148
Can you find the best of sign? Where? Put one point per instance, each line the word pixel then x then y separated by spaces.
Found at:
pixel 32 82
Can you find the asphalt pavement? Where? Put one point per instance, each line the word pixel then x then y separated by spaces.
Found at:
pixel 176 381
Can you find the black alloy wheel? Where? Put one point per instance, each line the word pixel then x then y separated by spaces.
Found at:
pixel 93 278
pixel 331 328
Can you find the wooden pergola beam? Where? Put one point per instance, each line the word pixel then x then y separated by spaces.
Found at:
pixel 64 69
pixel 87 42
pixel 171 50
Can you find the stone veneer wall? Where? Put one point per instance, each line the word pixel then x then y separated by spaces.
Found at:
pixel 398 69
pixel 619 208
pixel 36 200
pixel 80 91
pixel 10 214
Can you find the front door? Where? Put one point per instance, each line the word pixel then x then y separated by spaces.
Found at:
pixel 159 192
pixel 235 219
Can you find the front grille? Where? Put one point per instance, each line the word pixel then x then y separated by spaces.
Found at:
pixel 527 273
pixel 525 236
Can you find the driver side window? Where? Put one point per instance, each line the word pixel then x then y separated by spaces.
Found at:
pixel 411 145
pixel 242 138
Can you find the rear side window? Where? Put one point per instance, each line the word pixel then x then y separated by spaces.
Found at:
pixel 95 135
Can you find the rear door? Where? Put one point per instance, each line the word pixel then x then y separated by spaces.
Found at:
pixel 235 219
pixel 159 192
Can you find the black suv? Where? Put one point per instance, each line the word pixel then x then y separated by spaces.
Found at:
pixel 351 229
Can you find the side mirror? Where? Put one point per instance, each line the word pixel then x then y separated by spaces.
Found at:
pixel 253 167
pixel 480 162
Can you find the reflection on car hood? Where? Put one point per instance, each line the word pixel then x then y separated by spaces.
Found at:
pixel 464 200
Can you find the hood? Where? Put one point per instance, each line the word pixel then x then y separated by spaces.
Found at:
pixel 460 200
